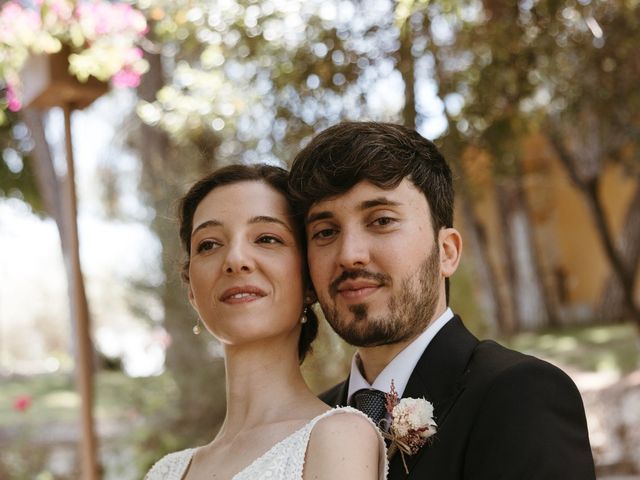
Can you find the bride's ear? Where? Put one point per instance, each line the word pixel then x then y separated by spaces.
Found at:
pixel 192 298
pixel 310 297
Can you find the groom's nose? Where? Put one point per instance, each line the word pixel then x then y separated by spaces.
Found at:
pixel 353 251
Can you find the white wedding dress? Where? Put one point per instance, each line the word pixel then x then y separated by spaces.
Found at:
pixel 283 461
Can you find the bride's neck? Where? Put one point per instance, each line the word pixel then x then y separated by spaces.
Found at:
pixel 263 384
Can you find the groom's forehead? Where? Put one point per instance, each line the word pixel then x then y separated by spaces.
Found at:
pixel 363 196
pixel 357 193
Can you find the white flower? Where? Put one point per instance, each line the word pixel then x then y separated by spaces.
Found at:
pixel 413 415
pixel 411 424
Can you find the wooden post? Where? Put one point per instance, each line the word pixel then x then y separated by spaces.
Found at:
pixel 80 314
pixel 47 83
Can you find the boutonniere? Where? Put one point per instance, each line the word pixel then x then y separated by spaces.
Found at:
pixel 410 424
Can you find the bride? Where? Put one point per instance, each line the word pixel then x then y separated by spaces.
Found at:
pixel 247 281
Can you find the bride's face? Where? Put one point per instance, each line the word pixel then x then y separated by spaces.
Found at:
pixel 245 272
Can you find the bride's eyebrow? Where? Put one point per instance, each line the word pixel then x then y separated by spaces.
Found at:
pixel 252 220
pixel 208 223
pixel 268 219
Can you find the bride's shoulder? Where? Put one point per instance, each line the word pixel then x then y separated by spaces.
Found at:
pixel 344 440
pixel 346 420
pixel 172 466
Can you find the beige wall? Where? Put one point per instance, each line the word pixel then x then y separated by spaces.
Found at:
pixel 568 245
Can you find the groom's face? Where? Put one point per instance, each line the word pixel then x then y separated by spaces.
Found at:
pixel 375 263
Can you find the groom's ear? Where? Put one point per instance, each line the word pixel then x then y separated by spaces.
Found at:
pixel 450 244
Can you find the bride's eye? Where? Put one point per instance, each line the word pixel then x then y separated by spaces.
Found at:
pixel 268 239
pixel 206 245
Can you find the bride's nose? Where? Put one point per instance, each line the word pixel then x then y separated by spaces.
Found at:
pixel 238 259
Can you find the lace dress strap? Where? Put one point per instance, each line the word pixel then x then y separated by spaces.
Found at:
pixel 172 466
pixel 285 460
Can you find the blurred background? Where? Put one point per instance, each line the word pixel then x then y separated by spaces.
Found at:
pixel 535 103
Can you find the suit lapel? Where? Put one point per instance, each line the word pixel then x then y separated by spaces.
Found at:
pixel 343 392
pixel 337 395
pixel 438 377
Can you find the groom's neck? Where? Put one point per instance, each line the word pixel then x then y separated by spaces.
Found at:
pixel 374 359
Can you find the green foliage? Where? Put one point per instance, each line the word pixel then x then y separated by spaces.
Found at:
pixel 139 410
pixel 17 176
pixel 519 67
pixel 588 348
pixel 263 76
pixel 52 397
pixel 330 359
pixel 463 300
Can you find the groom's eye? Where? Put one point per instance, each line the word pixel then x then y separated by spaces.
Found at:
pixel 383 221
pixel 324 234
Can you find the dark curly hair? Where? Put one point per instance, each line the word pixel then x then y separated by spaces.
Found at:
pixel 276 178
pixel 384 154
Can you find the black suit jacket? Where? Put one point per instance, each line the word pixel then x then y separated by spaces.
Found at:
pixel 500 414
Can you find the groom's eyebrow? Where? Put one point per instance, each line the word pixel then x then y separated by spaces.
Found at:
pixel 365 205
pixel 378 202
pixel 324 215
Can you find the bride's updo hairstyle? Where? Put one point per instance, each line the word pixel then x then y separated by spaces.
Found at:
pixel 277 179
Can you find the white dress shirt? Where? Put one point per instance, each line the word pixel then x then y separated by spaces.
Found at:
pixel 400 368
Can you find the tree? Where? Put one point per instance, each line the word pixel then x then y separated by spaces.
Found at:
pixel 594 122
pixel 519 69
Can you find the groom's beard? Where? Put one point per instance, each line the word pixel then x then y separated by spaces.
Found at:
pixel 408 312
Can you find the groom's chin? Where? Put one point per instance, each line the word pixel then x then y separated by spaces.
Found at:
pixel 364 332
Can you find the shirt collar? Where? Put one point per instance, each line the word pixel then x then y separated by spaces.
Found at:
pixel 400 368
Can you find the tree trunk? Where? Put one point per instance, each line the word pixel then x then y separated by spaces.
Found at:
pixel 612 304
pixel 589 188
pixel 59 198
pixel 406 66
pixel 497 313
pixel 199 376
pixel 50 188
pixel 46 178
pixel 80 314
pixel 623 273
pixel 529 305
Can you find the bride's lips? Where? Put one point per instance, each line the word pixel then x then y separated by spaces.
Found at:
pixel 357 289
pixel 242 294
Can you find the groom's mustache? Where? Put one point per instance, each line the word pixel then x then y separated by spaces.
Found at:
pixel 380 278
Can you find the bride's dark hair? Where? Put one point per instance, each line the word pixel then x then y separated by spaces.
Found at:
pixel 275 177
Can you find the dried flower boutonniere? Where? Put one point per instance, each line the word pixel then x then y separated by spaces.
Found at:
pixel 410 424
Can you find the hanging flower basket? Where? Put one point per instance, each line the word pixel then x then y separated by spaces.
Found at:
pixel 61 52
pixel 46 82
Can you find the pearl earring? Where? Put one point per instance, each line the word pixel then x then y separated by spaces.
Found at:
pixel 196 328
pixel 303 318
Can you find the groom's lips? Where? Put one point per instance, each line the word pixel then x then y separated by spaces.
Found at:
pixel 357 289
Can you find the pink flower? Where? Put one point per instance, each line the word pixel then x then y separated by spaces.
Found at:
pixel 126 79
pixel 12 10
pixel 22 403
pixel 13 103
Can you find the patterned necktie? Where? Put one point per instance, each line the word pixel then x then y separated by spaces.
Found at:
pixel 371 402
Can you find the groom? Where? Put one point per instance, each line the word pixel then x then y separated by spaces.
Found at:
pixel 378 205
